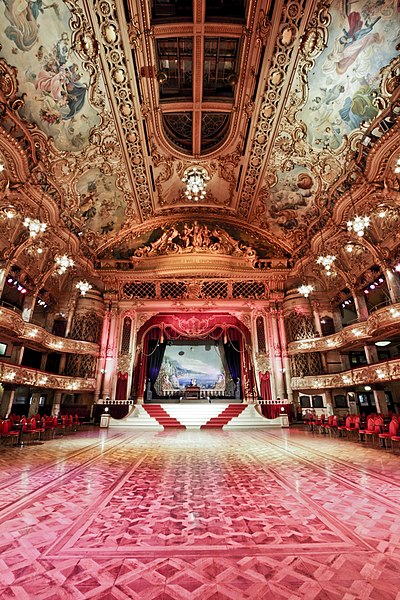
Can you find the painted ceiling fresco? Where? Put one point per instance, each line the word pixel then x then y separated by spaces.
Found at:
pixel 311 147
pixel 110 162
pixel 37 42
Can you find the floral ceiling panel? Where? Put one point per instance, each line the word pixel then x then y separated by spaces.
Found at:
pixel 37 41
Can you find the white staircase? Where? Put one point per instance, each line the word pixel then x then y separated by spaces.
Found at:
pixel 251 418
pixel 193 416
pixel 138 418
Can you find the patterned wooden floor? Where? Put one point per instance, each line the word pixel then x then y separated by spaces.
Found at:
pixel 199 515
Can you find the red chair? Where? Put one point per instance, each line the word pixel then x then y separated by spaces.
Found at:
pixel 386 438
pixel 362 433
pixel 6 432
pixel 352 427
pixel 372 435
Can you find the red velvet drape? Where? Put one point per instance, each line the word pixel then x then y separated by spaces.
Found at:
pixel 265 385
pixel 122 386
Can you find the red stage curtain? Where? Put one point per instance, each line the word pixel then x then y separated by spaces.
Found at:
pixel 265 385
pixel 122 385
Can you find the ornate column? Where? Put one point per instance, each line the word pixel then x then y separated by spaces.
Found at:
pixel 111 350
pixel 132 351
pixel 34 406
pixel 285 356
pixel 371 353
pixel 270 344
pixel 329 402
pixel 317 324
pixel 393 284
pixel 360 305
pixel 7 400
pixel 29 307
pixel 70 309
pixel 277 354
pixel 55 409
pixel 337 318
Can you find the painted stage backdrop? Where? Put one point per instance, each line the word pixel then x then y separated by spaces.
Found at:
pixel 183 364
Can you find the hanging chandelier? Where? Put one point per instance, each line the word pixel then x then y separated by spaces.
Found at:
pixel 358 225
pixel 196 182
pixel 35 226
pixel 83 287
pixel 305 290
pixel 63 262
pixel 327 262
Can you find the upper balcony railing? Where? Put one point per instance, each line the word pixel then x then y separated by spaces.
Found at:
pixel 17 375
pixel 381 372
pixel 381 319
pixel 12 321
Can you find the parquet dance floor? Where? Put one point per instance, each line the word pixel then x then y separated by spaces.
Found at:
pixel 275 514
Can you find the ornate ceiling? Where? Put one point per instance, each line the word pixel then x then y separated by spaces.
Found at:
pixel 285 104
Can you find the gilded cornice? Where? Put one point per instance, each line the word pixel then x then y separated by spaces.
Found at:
pixel 13 323
pixel 16 375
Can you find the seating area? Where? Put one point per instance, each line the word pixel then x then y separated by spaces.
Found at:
pixel 376 430
pixel 22 430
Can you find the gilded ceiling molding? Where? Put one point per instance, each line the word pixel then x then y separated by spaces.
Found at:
pixel 114 56
pixel 292 18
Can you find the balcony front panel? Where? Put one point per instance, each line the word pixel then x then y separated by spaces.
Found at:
pixel 13 323
pixel 369 374
pixel 16 375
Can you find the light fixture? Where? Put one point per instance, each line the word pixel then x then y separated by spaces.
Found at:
pixel 397 167
pixel 83 287
pixel 2 167
pixel 367 388
pixel 358 225
pixel 63 262
pixel 327 262
pixel 196 181
pixel 35 226
pixel 305 290
pixel 383 343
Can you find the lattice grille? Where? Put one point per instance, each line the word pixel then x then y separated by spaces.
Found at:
pixel 261 334
pixel 139 289
pixel 306 364
pixel 87 328
pixel 126 335
pixel 80 365
pixel 299 327
pixel 214 289
pixel 173 289
pixel 248 289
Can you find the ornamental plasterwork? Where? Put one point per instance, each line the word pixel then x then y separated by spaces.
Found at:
pixel 124 362
pixel 263 362
pixel 14 374
pixel 376 373
pixel 292 17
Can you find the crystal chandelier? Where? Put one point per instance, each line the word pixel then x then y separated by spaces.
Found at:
pixel 63 262
pixel 305 290
pixel 358 225
pixel 35 226
pixel 196 182
pixel 327 262
pixel 83 287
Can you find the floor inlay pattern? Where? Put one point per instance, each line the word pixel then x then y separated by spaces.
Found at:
pixel 199 514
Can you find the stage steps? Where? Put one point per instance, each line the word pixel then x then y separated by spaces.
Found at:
pixel 164 418
pixel 223 418
pixel 195 416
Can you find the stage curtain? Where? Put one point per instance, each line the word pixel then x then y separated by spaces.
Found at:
pixel 265 385
pixel 156 352
pixel 233 355
pixel 122 383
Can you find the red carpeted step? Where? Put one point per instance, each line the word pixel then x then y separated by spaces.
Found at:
pixel 231 411
pixel 157 412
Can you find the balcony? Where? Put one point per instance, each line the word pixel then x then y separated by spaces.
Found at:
pixel 382 319
pixel 12 322
pixel 16 375
pixel 369 374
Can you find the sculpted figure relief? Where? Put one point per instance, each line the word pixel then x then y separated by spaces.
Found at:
pixel 195 237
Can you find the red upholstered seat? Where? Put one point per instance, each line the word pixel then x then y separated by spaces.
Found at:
pixel 6 432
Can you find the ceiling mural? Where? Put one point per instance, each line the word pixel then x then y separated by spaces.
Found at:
pixel 345 79
pixel 101 203
pixel 37 42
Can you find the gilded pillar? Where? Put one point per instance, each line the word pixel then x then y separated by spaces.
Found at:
pixel 280 386
pixel 285 356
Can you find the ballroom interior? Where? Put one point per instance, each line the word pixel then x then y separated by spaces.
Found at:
pixel 199 212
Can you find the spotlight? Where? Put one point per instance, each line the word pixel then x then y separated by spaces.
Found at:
pixel 372 286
